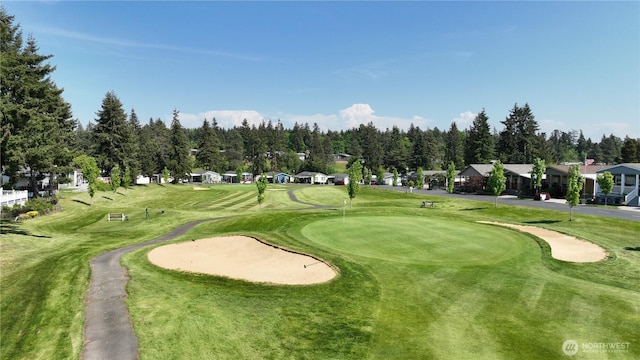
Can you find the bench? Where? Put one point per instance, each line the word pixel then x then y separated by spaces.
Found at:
pixel 426 204
pixel 120 217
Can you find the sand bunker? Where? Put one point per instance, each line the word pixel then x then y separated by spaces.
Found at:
pixel 563 247
pixel 242 257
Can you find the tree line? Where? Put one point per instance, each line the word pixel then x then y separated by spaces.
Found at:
pixel 40 136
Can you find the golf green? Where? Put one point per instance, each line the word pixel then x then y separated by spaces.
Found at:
pixel 415 239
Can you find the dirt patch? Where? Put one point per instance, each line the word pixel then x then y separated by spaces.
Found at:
pixel 563 247
pixel 244 258
pixel 198 188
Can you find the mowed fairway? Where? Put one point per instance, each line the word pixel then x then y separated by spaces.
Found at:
pixel 413 283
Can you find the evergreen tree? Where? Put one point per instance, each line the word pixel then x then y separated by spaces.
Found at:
pixel 370 141
pixel 355 176
pixel 179 161
pixel 518 141
pixel 148 150
pixel 209 157
pixel 610 147
pixel 396 149
pixel 479 145
pixel 35 126
pixel 454 147
pixel 134 156
pixel 629 151
pixel 234 149
pixel 112 134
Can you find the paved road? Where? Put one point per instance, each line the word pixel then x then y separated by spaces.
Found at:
pixel 629 213
pixel 108 333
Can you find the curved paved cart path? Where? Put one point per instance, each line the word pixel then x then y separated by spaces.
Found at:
pixel 108 333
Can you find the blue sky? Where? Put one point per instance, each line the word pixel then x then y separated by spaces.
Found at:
pixel 340 64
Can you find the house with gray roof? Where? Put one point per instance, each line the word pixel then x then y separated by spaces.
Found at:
pixel 626 183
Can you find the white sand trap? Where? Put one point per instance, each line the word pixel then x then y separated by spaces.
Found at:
pixel 242 257
pixel 563 247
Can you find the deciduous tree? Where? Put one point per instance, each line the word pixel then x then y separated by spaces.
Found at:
pixel 575 181
pixel 497 181
pixel 261 184
pixel 605 182
pixel 451 177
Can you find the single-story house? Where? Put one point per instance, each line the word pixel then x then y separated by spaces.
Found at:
pixel 206 177
pixel 341 157
pixel 338 179
pixel 518 177
pixel 626 184
pixel 278 178
pixel 9 198
pixel 308 177
pixel 557 176
pixel 232 177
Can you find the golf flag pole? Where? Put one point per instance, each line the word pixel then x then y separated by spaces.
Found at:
pixel 344 210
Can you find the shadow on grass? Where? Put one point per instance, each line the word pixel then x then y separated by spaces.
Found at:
pixel 637 248
pixel 474 209
pixel 542 221
pixel 81 202
pixel 119 193
pixel 7 227
pixel 106 197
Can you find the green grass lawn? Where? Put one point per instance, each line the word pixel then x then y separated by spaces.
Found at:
pixel 414 283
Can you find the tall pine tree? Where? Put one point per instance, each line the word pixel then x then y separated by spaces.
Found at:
pixel 36 126
pixel 179 150
pixel 479 146
pixel 112 135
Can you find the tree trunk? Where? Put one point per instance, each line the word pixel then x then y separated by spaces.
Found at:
pixel 570 213
pixel 33 184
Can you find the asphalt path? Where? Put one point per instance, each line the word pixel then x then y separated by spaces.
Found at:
pixel 626 212
pixel 108 332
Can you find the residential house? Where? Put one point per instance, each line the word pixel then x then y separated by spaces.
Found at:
pixel 308 177
pixel 557 178
pixel 206 177
pixel 626 183
pixel 278 178
pixel 518 177
pixel 232 177
pixel 9 198
pixel 338 179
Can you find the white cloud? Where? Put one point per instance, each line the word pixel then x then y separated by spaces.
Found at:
pixel 357 114
pixel 465 120
pixel 348 118
pixel 225 118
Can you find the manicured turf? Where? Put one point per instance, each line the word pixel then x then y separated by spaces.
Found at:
pixel 415 240
pixel 414 283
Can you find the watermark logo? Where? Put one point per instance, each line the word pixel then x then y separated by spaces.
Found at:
pixel 570 347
